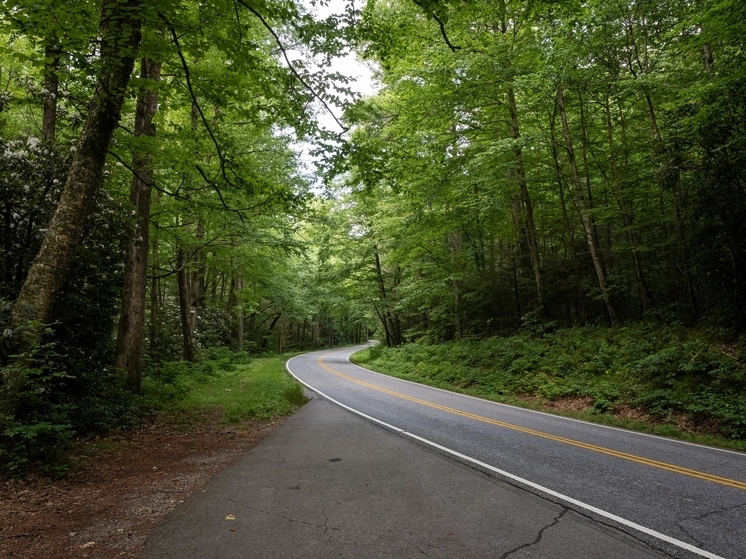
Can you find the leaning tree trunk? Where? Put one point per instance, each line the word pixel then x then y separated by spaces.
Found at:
pixel 131 330
pixel 531 236
pixel 584 215
pixel 120 38
pixel 120 25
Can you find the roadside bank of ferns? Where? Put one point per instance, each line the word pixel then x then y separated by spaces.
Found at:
pixel 674 379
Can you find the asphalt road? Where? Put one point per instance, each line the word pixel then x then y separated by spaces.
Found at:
pixel 329 484
pixel 683 499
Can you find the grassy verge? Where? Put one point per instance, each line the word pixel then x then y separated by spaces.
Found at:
pixel 235 388
pixel 671 382
pixel 224 387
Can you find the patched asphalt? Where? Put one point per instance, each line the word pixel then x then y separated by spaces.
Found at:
pixel 328 483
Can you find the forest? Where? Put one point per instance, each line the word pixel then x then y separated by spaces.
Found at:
pixel 554 190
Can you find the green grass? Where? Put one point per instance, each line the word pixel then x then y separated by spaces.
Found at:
pixel 259 389
pixel 668 375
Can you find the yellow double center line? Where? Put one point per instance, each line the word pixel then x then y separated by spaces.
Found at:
pixel 603 450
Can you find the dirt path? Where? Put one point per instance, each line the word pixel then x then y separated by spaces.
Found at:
pixel 108 508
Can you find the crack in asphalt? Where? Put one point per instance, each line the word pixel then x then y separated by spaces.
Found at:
pixel 326 523
pixel 721 510
pixel 538 536
pixel 692 537
pixel 420 550
pixel 325 496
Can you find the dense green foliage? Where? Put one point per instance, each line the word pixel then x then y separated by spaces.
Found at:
pixel 566 163
pixel 228 199
pixel 525 167
pixel 669 373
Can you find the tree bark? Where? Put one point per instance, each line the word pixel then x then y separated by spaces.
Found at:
pixel 154 289
pixel 197 277
pixel 52 53
pixel 454 240
pixel 587 174
pixel 579 195
pixel 132 316
pixel 240 319
pixel 531 236
pixel 120 37
pixel 707 58
pixel 184 307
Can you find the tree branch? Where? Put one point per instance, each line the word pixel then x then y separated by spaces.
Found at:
pixel 206 124
pixel 451 46
pixel 290 65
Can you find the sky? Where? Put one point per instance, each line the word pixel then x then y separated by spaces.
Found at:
pixel 364 84
pixel 348 65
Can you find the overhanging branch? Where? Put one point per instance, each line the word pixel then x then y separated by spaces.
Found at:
pixel 290 65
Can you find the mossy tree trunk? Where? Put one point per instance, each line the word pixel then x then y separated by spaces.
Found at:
pixel 120 38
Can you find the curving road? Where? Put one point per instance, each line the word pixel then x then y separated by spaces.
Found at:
pixel 683 499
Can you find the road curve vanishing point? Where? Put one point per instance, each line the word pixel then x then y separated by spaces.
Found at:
pixel 685 499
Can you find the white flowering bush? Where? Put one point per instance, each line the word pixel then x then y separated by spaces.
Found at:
pixel 32 174
pixel 70 386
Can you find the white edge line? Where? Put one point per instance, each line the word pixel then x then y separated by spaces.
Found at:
pixel 601 425
pixel 536 486
pixel 579 504
pixel 340 404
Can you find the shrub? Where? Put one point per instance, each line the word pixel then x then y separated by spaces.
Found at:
pixel 660 369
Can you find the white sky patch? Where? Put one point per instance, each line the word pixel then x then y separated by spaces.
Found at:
pixel 364 84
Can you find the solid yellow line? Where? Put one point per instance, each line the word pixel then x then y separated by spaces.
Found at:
pixel 618 454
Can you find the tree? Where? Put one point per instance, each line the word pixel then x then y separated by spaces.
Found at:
pixel 120 36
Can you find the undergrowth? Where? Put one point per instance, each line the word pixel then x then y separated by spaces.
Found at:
pixel 671 376
pixel 232 385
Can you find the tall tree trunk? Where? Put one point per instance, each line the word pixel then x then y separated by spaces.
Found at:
pixel 579 195
pixel 568 236
pixel 707 58
pixel 240 318
pixel 231 296
pixel 182 287
pixel 281 338
pixel 131 331
pixel 154 289
pixel 197 277
pixel 389 322
pixel 587 176
pixel 52 53
pixel 454 240
pixel 120 38
pixel 626 214
pixel 531 236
